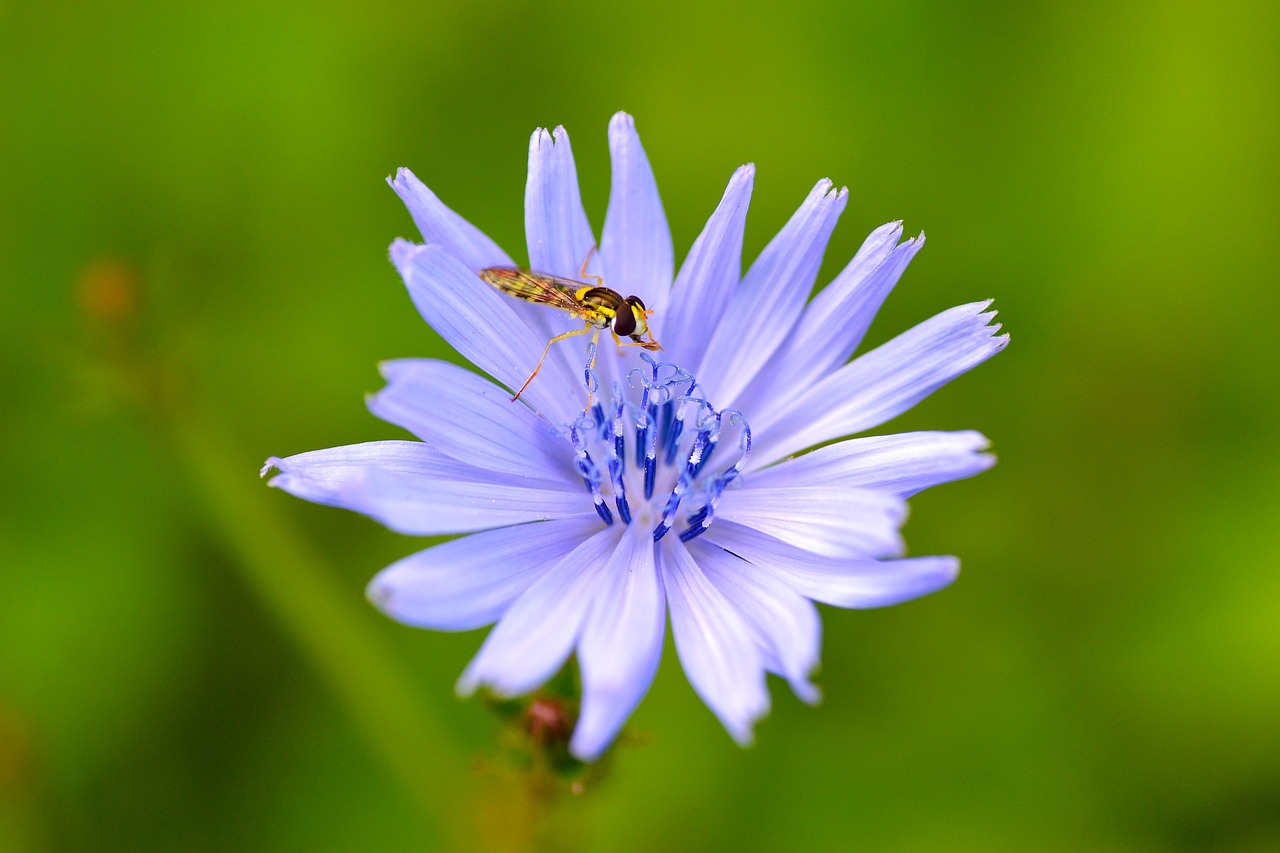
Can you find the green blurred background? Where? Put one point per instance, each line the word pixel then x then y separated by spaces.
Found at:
pixel 193 276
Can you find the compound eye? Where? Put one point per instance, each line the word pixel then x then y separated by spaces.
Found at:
pixel 639 313
pixel 625 321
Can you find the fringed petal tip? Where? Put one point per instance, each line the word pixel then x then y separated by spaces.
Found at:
pixel 828 187
pixel 438 223
pixel 883 238
pixel 404 180
pixel 402 250
pixel 622 123
pixel 987 317
pixel 543 136
pixel 272 462
pixel 978 446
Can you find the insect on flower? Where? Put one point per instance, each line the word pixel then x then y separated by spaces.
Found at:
pixel 728 542
pixel 596 305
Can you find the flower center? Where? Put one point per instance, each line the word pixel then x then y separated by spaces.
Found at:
pixel 656 437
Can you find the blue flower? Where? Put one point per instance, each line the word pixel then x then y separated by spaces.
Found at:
pixel 696 503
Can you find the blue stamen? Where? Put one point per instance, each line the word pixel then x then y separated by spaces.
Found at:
pixel 642 443
pixel 620 451
pixel 706 455
pixel 645 418
pixel 646 385
pixel 589 373
pixel 694 532
pixel 712 424
pixel 668 414
pixel 682 485
pixel 701 520
pixel 650 452
pixel 698 522
pixel 587 470
pixel 666 408
pixel 613 438
pixel 672 443
pixel 618 461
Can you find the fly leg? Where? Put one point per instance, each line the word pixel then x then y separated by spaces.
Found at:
pixel 651 345
pixel 582 273
pixel 547 349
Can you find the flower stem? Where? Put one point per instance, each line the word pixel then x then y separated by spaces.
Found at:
pixel 322 619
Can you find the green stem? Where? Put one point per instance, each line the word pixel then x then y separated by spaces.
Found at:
pixel 324 620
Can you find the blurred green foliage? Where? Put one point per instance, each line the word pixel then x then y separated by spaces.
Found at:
pixel 193 276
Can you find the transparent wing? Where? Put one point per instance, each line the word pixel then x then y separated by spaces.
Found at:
pixel 538 288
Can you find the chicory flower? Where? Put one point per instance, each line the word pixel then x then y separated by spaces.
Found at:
pixel 683 488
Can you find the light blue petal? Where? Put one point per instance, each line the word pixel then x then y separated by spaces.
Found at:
pixel 785 623
pixel 636 243
pixel 771 296
pixel 439 224
pixel 470 582
pixel 538 631
pixel 466 416
pixel 901 464
pixel 556 226
pixel 321 476
pixel 621 643
pixel 415 490
pixel 856 583
pixel 559 238
pixel 708 276
pixel 837 319
pixel 830 522
pixel 717 650
pixel 879 385
pixel 478 322
pixel 878 245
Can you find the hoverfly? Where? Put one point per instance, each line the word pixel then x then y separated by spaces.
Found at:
pixel 596 305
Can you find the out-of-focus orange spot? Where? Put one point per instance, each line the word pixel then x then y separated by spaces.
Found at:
pixel 15 749
pixel 108 290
